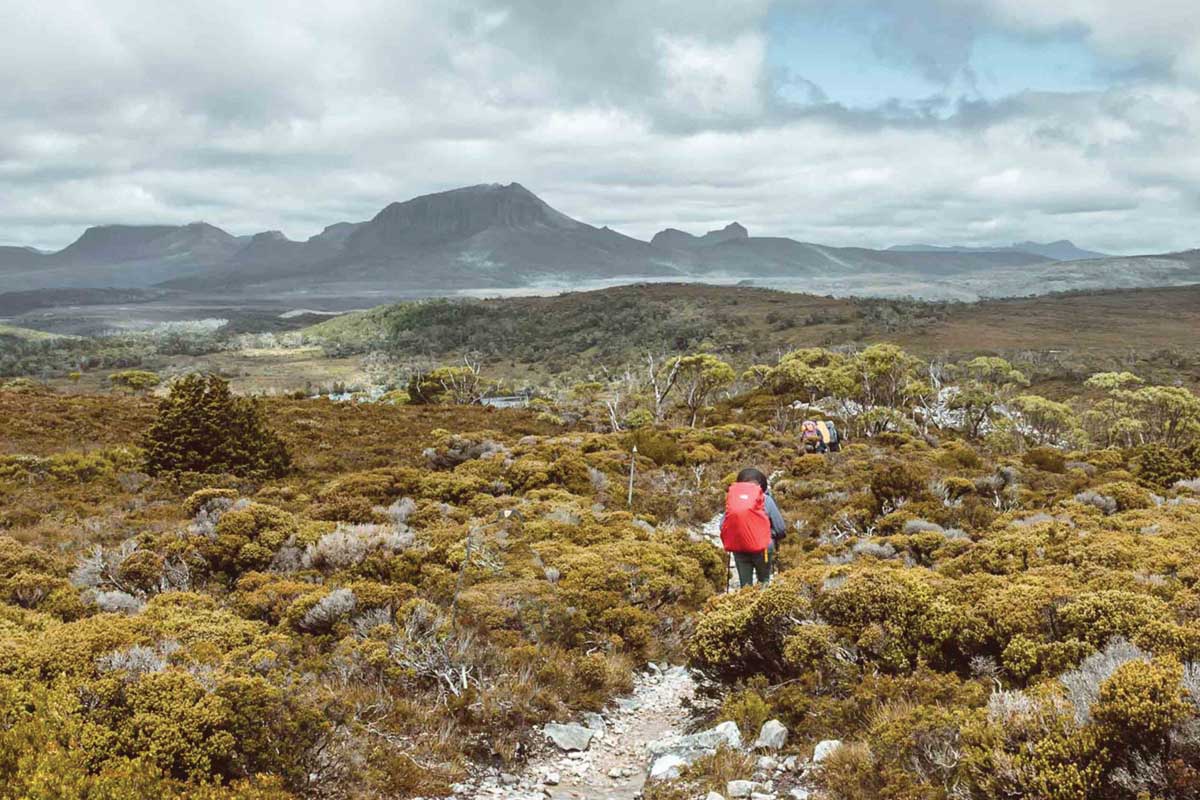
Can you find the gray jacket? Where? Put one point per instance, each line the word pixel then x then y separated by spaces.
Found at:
pixel 778 525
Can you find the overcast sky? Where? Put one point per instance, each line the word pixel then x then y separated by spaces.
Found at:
pixel 869 122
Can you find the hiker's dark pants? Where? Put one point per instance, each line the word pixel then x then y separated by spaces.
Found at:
pixel 752 565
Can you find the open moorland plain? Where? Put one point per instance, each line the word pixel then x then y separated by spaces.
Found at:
pixel 315 559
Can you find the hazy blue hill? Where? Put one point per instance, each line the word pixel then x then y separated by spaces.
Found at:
pixel 1062 250
pixel 503 236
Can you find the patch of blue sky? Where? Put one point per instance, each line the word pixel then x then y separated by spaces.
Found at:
pixel 862 56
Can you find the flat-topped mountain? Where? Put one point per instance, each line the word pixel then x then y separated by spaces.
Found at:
pixel 111 244
pixel 1062 250
pixel 504 236
pixel 457 215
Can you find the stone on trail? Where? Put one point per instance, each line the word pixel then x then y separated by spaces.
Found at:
pixel 570 736
pixel 773 736
pixel 595 722
pixel 667 767
pixel 726 734
pixel 738 789
pixel 714 796
pixel 799 794
pixel 824 748
pixel 628 703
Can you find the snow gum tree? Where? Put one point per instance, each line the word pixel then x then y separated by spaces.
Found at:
pixel 700 377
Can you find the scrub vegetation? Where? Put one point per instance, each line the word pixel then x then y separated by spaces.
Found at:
pixel 992 589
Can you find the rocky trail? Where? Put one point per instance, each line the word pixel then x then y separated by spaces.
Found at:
pixel 618 756
pixel 641 737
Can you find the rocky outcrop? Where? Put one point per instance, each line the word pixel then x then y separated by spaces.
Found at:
pixel 675 239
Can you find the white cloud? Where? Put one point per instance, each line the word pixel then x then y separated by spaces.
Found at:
pixel 714 80
pixel 1163 31
pixel 634 114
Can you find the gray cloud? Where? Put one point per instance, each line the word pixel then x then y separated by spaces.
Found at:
pixel 935 40
pixel 639 115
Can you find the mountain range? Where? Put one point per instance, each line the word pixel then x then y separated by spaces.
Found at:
pixel 496 236
pixel 1061 250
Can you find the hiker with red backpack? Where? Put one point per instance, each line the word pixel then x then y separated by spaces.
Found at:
pixel 751 527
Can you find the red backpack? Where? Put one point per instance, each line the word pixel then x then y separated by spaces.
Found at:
pixel 746 528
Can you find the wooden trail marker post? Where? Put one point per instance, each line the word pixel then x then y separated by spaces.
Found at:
pixel 632 470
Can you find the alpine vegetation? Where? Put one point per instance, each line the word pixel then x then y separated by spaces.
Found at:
pixel 946 593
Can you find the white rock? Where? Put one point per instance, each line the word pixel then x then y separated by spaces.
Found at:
pixel 594 722
pixel 789 763
pixel 615 772
pixel 552 779
pixel 799 794
pixel 666 768
pixel 740 788
pixel 569 736
pixel 761 796
pixel 824 748
pixel 714 796
pixel 726 734
pixel 773 736
pixel 767 764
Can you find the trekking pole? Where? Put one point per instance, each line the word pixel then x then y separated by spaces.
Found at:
pixel 632 469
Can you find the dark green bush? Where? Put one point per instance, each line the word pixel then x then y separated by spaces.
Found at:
pixel 203 427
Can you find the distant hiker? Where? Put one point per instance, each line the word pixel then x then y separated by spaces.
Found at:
pixel 810 437
pixel 820 437
pixel 751 527
pixel 834 441
pixel 829 434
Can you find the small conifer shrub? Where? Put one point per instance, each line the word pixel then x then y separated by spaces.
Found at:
pixel 203 427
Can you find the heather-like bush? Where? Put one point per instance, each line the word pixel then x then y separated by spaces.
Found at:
pixel 349 545
pixel 970 621
pixel 746 633
pixel 329 610
pixel 247 538
pixel 206 499
pixel 1127 495
pixel 1097 500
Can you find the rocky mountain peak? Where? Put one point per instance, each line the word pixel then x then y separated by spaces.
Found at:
pixel 673 238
